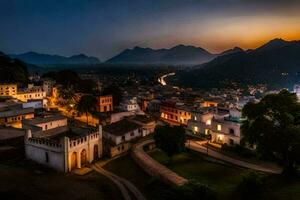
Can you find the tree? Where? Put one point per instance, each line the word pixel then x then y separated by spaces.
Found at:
pixel 273 125
pixel 67 93
pixel 86 104
pixel 170 139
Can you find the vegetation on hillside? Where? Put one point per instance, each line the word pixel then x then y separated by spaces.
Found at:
pixel 12 71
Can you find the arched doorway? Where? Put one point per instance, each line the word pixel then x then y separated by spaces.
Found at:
pixel 96 156
pixel 73 160
pixel 83 157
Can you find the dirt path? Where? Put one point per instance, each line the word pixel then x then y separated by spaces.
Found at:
pixel 125 186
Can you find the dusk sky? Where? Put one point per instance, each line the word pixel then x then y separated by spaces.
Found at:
pixel 104 28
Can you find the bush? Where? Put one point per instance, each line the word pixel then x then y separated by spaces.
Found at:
pixel 251 186
pixel 191 191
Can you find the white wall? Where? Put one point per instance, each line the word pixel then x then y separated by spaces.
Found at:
pixel 37 153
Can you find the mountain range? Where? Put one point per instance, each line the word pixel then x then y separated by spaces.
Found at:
pixel 178 55
pixel 276 63
pixel 46 59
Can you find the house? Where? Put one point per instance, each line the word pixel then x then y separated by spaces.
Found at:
pixel 104 103
pixel 12 113
pixel 226 130
pixel 48 85
pixel 199 122
pixel 30 93
pixel 45 123
pixel 8 89
pixel 223 125
pixel 60 146
pixel 119 135
pixel 175 114
pixel 147 122
pixel 130 104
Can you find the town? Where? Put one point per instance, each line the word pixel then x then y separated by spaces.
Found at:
pixel 150 100
pixel 52 123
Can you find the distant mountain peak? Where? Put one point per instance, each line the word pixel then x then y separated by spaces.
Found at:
pixel 177 55
pixel 275 43
pixel 32 57
pixel 231 51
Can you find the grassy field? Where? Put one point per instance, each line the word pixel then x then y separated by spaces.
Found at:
pixel 26 180
pixel 223 178
pixel 192 166
pixel 126 168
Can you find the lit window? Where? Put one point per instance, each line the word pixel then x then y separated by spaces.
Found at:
pixel 219 127
pixel 195 128
pixel 208 122
pixel 220 138
pixel 195 118
pixel 206 131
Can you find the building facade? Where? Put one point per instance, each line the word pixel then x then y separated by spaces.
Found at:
pixel 63 148
pixel 173 114
pixel 118 136
pixel 223 127
pixel 105 103
pixel 8 89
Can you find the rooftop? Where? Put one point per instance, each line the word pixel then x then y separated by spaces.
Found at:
pixel 45 119
pixel 65 131
pixel 121 127
pixel 143 118
pixel 16 111
pixel 9 133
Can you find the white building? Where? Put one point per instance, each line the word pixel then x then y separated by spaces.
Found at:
pixel 39 103
pixel 118 136
pixel 130 104
pixel 223 126
pixel 48 85
pixel 51 142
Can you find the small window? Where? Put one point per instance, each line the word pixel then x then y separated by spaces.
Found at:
pixel 219 127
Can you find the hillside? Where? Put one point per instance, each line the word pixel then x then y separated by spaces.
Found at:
pixel 178 55
pixel 12 70
pixel 45 59
pixel 276 63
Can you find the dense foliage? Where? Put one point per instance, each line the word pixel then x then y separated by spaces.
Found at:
pixel 86 104
pixel 273 125
pixel 12 71
pixel 69 78
pixel 115 92
pixel 170 139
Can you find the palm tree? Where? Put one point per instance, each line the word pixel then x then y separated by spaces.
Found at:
pixel 67 94
pixel 86 104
